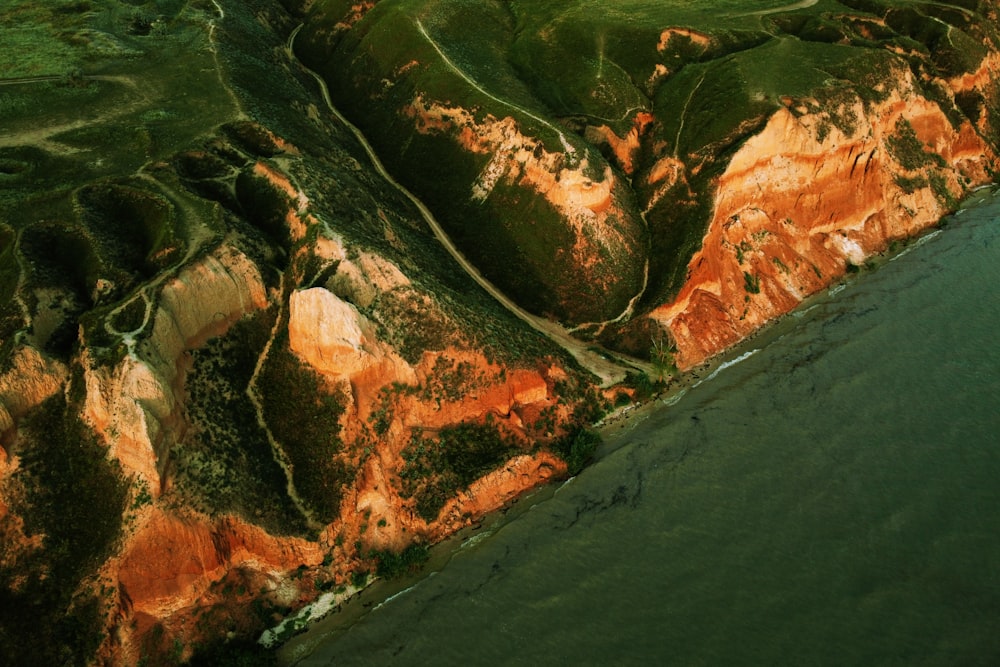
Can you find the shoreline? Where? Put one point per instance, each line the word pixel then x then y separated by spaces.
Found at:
pixel 615 430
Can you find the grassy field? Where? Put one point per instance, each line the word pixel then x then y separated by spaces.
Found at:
pixel 93 92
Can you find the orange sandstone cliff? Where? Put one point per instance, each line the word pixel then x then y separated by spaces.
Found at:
pixel 794 209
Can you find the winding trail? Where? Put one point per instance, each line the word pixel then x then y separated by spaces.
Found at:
pixel 609 371
pixel 629 308
pixel 197 235
pixel 258 407
pixel 22 278
pixel 680 123
pixel 41 135
pixel 215 58
pixel 784 8
pixel 457 70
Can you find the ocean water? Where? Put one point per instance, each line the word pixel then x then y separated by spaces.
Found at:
pixel 831 499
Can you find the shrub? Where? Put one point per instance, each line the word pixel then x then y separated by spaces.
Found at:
pixel 436 469
pixel 393 564
pixel 577 447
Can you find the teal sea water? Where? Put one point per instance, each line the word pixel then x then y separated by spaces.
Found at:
pixel 831 499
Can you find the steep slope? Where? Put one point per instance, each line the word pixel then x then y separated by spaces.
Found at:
pixel 535 207
pixel 758 153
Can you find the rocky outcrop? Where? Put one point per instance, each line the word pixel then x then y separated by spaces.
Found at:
pixel 174 560
pixel 30 378
pixel 330 334
pixel 203 300
pixel 519 475
pixel 794 209
pixel 171 569
pixel 134 404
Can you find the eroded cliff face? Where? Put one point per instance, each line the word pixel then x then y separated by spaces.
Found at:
pixel 134 404
pixel 177 565
pixel 29 379
pixel 258 413
pixel 802 202
pixel 238 403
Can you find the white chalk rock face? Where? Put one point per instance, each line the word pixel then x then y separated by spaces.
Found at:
pixel 327 333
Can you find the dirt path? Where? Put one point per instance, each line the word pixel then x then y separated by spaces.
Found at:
pixel 608 370
pixel 218 67
pixel 785 8
pixel 600 326
pixel 453 67
pixel 40 136
pixel 258 406
pixel 198 234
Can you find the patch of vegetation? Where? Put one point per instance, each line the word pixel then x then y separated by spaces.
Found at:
pixel 226 463
pixel 392 564
pixel 74 497
pixel 450 381
pixel 751 283
pixel 265 206
pixel 359 579
pixel 415 323
pixel 62 256
pixel 252 137
pixel 198 165
pixel 381 417
pixel 645 387
pixel 577 447
pixel 304 417
pixel 130 317
pixel 661 355
pixel 436 469
pixel 939 186
pixel 907 150
pixel 909 185
pixel 10 319
pixel 31 35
